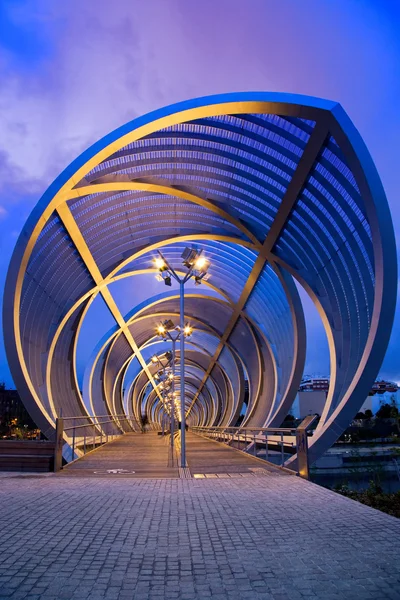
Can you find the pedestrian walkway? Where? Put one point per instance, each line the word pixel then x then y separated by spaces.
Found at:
pixel 263 538
pixel 121 524
pixel 136 455
pixel 214 459
pixel 132 455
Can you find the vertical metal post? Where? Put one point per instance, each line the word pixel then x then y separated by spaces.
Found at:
pixel 173 391
pixel 73 440
pixel 266 446
pixel 302 446
pixel 254 444
pixel 84 442
pixel 183 407
pixel 282 452
pixel 58 445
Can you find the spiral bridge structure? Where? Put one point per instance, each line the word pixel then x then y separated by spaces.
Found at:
pixel 278 191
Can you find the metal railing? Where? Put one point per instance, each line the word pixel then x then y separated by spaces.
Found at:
pixel 246 439
pixel 83 441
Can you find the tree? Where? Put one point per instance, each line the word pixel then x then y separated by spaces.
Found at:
pixel 388 411
pixel 360 415
pixel 368 414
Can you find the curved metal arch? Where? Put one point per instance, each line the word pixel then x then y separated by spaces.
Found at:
pixel 202 350
pixel 99 152
pixel 91 296
pixel 135 317
pixel 152 400
pixel 123 368
pixel 117 186
pixel 112 338
pixel 371 192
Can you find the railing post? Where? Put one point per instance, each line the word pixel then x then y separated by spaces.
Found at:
pixel 266 446
pixel 73 440
pixel 282 451
pixel 58 445
pixel 254 444
pixel 302 446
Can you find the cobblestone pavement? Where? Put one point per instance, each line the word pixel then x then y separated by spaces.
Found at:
pixel 263 537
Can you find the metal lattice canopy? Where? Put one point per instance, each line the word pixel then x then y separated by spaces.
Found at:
pixel 273 188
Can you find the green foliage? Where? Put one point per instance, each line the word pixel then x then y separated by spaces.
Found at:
pixel 375 497
pixel 18 432
pixel 388 411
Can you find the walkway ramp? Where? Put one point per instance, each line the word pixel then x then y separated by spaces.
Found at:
pixel 130 455
pixel 149 455
pixel 209 459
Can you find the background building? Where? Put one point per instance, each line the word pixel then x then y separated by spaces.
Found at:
pixel 13 411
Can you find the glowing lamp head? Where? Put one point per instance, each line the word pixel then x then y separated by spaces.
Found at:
pixel 161 330
pixel 200 263
pixel 159 263
pixel 154 359
pixel 187 330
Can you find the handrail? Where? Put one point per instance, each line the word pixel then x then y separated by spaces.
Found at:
pixel 291 430
pixel 98 423
pixel 96 437
pixel 93 417
pixel 229 435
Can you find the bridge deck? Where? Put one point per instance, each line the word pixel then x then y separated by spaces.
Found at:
pixel 206 457
pixel 131 455
pixel 149 455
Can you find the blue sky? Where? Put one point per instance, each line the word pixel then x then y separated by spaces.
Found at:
pixel 70 72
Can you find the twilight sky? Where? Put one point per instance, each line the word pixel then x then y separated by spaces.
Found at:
pixel 72 71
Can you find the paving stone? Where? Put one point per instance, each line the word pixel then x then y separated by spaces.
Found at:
pixel 270 538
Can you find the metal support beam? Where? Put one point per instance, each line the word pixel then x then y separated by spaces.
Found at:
pixel 182 365
pixel 77 238
pixel 295 186
pixel 58 448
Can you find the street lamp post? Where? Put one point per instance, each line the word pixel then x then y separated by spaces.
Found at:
pixel 164 383
pixel 197 267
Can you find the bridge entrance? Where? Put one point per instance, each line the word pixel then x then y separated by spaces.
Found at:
pixel 150 455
